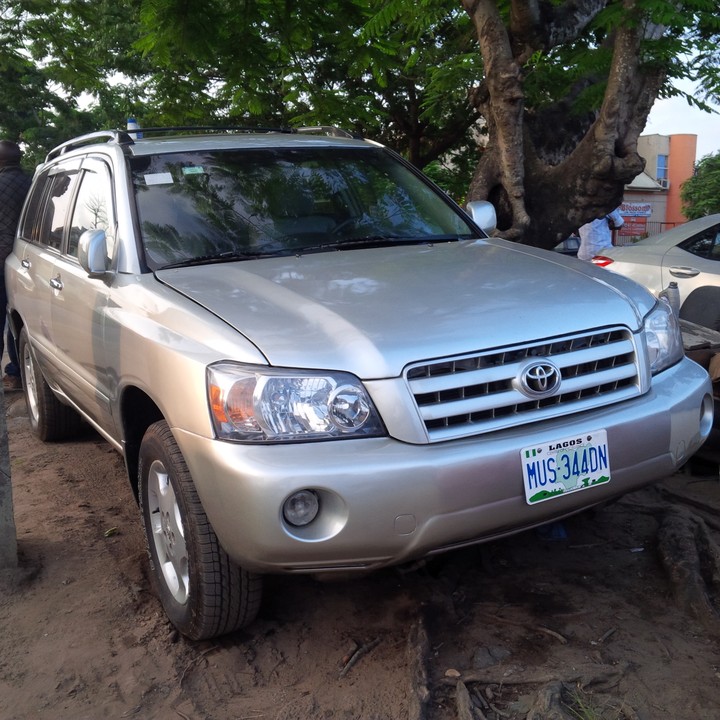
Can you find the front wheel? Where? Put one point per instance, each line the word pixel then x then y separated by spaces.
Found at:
pixel 203 592
pixel 702 306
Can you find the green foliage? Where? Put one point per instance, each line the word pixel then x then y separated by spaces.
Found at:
pixel 53 56
pixel 700 194
pixel 583 706
pixel 394 71
pixel 454 171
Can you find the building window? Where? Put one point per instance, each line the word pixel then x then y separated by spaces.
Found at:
pixel 662 167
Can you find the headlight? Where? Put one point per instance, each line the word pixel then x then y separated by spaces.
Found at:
pixel 261 404
pixel 663 337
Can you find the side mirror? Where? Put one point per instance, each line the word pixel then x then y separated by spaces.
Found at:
pixel 483 213
pixel 92 252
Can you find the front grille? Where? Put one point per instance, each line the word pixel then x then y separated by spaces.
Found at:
pixel 478 393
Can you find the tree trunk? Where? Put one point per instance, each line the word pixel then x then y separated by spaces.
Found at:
pixel 546 171
pixel 500 175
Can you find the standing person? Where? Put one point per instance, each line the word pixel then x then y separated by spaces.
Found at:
pixel 596 235
pixel 14 186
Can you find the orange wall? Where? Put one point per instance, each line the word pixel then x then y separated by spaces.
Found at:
pixel 681 164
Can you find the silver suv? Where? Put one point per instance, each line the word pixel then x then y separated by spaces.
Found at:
pixel 313 361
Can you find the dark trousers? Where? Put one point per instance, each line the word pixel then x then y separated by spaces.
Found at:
pixel 13 367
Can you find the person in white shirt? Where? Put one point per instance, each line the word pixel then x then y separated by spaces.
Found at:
pixel 596 235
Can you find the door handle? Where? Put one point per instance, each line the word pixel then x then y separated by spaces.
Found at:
pixel 683 272
pixel 56 283
pixel 25 263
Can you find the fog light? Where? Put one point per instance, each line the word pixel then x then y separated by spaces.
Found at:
pixel 301 508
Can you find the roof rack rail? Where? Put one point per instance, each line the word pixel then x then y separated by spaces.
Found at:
pixel 316 129
pixel 120 137
pixel 127 137
pixel 330 130
pixel 206 128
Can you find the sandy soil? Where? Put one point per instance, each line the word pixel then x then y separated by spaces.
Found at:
pixel 583 625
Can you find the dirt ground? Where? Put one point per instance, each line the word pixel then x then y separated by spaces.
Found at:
pixel 579 622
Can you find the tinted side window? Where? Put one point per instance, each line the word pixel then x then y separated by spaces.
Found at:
pixel 30 223
pixel 56 203
pixel 93 207
pixel 705 244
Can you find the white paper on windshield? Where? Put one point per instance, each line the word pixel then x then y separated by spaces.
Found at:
pixel 164 178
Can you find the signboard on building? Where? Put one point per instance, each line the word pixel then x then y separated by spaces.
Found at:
pixel 633 227
pixel 636 209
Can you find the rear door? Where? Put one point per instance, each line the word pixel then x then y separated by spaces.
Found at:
pixel 39 245
pixel 78 302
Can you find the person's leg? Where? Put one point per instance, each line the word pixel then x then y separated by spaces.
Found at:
pixel 3 311
pixel 13 367
pixel 10 381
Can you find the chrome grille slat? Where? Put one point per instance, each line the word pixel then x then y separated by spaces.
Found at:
pixel 594 353
pixel 474 394
pixel 470 378
pixel 453 432
pixel 600 378
pixel 514 397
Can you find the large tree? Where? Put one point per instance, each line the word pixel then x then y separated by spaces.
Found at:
pixel 561 88
pixel 342 62
pixel 52 55
pixel 566 92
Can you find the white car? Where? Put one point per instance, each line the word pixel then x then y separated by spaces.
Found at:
pixel 688 255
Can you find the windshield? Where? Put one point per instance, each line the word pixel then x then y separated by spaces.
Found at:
pixel 202 206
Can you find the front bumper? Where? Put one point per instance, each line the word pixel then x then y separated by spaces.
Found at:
pixel 385 502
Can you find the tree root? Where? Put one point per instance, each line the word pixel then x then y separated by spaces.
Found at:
pixel 554 699
pixel 692 560
pixel 417 650
pixel 549 703
pixel 583 678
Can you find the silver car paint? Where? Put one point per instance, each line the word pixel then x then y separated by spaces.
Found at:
pixel 371 312
pixel 386 501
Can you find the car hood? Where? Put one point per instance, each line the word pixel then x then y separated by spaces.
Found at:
pixel 373 311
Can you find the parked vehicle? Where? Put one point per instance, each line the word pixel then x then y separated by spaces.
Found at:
pixel 312 361
pixel 569 246
pixel 688 255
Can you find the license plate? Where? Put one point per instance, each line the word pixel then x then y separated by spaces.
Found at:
pixel 565 466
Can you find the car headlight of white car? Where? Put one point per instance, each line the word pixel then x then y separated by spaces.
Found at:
pixel 261 404
pixel 663 337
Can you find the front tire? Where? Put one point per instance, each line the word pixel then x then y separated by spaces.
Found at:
pixel 50 419
pixel 203 592
pixel 702 306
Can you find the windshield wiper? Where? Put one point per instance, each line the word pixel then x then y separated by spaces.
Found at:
pixel 376 241
pixel 230 256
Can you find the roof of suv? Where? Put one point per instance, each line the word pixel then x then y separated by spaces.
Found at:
pixel 159 141
pixel 184 143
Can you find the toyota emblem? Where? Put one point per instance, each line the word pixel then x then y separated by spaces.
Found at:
pixel 539 379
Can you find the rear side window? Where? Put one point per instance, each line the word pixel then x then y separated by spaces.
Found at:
pixel 47 206
pixel 30 225
pixel 57 202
